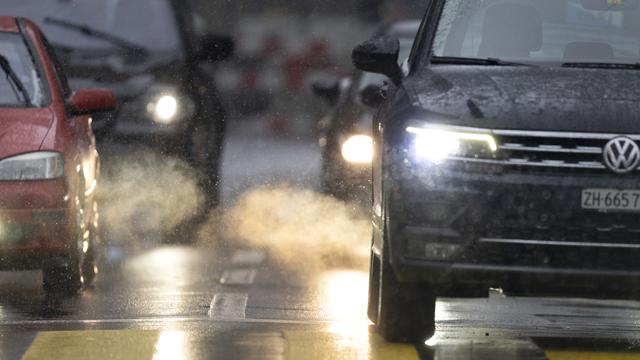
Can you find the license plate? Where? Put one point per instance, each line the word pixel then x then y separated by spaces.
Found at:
pixel 611 199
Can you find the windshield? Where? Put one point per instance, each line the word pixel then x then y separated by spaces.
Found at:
pixel 119 18
pixel 13 48
pixel 540 31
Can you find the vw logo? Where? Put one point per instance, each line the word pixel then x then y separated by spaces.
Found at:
pixel 622 155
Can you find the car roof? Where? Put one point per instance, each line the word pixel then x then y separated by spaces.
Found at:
pixel 400 29
pixel 8 24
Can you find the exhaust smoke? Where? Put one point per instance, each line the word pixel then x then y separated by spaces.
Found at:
pixel 299 227
pixel 144 194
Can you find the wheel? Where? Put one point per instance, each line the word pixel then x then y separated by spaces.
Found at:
pixel 67 279
pixel 406 313
pixel 329 184
pixel 205 152
pixel 374 288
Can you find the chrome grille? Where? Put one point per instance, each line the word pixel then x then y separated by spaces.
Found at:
pixel 544 149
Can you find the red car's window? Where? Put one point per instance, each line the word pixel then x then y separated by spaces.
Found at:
pixel 25 88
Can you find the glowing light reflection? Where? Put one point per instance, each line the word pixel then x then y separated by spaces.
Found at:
pixel 171 345
pixel 166 271
pixel 345 296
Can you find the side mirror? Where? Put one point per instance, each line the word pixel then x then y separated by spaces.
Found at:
pixel 379 56
pixel 327 91
pixel 373 95
pixel 89 101
pixel 216 48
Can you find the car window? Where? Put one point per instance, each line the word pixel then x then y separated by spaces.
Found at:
pixel 548 31
pixel 148 24
pixel 15 50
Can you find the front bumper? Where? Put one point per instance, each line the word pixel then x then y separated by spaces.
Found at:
pixel 523 231
pixel 36 227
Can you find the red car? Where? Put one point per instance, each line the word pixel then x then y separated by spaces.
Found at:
pixel 49 164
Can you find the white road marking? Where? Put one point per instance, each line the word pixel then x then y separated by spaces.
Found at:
pixel 228 306
pixel 238 277
pixel 160 321
pixel 248 257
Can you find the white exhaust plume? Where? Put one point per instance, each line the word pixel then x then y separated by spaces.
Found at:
pixel 144 195
pixel 297 227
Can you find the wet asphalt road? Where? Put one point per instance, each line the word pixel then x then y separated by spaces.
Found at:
pixel 154 301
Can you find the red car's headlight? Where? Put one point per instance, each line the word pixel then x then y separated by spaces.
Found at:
pixel 32 166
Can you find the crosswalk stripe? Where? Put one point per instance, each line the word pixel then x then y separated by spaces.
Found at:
pixel 590 355
pixel 93 344
pixel 228 306
pixel 321 345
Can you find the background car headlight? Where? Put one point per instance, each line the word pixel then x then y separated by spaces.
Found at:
pixel 32 166
pixel 358 149
pixel 164 109
pixel 437 144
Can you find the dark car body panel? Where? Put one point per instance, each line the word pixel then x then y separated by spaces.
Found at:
pixel 20 129
pixel 467 191
pixel 530 98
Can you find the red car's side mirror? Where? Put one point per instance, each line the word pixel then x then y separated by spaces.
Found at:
pixel 89 101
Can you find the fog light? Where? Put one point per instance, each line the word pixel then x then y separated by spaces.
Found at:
pixel 444 251
pixel 433 248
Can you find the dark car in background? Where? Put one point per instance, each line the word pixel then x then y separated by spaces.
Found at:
pixel 151 55
pixel 49 165
pixel 507 157
pixel 345 131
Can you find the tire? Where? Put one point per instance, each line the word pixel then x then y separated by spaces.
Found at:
pixel 62 280
pixel 67 279
pixel 406 313
pixel 205 153
pixel 374 288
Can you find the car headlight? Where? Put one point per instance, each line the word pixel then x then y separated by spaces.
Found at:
pixel 358 149
pixel 164 109
pixel 167 105
pixel 436 145
pixel 32 166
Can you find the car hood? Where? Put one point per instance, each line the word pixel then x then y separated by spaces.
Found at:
pixel 529 98
pixel 23 130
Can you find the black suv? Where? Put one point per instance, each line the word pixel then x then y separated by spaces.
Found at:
pixel 506 156
pixel 151 54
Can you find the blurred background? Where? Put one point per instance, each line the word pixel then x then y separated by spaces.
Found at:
pixel 283 46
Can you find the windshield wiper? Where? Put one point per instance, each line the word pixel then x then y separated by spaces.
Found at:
pixel 16 84
pixel 91 32
pixel 595 65
pixel 460 60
